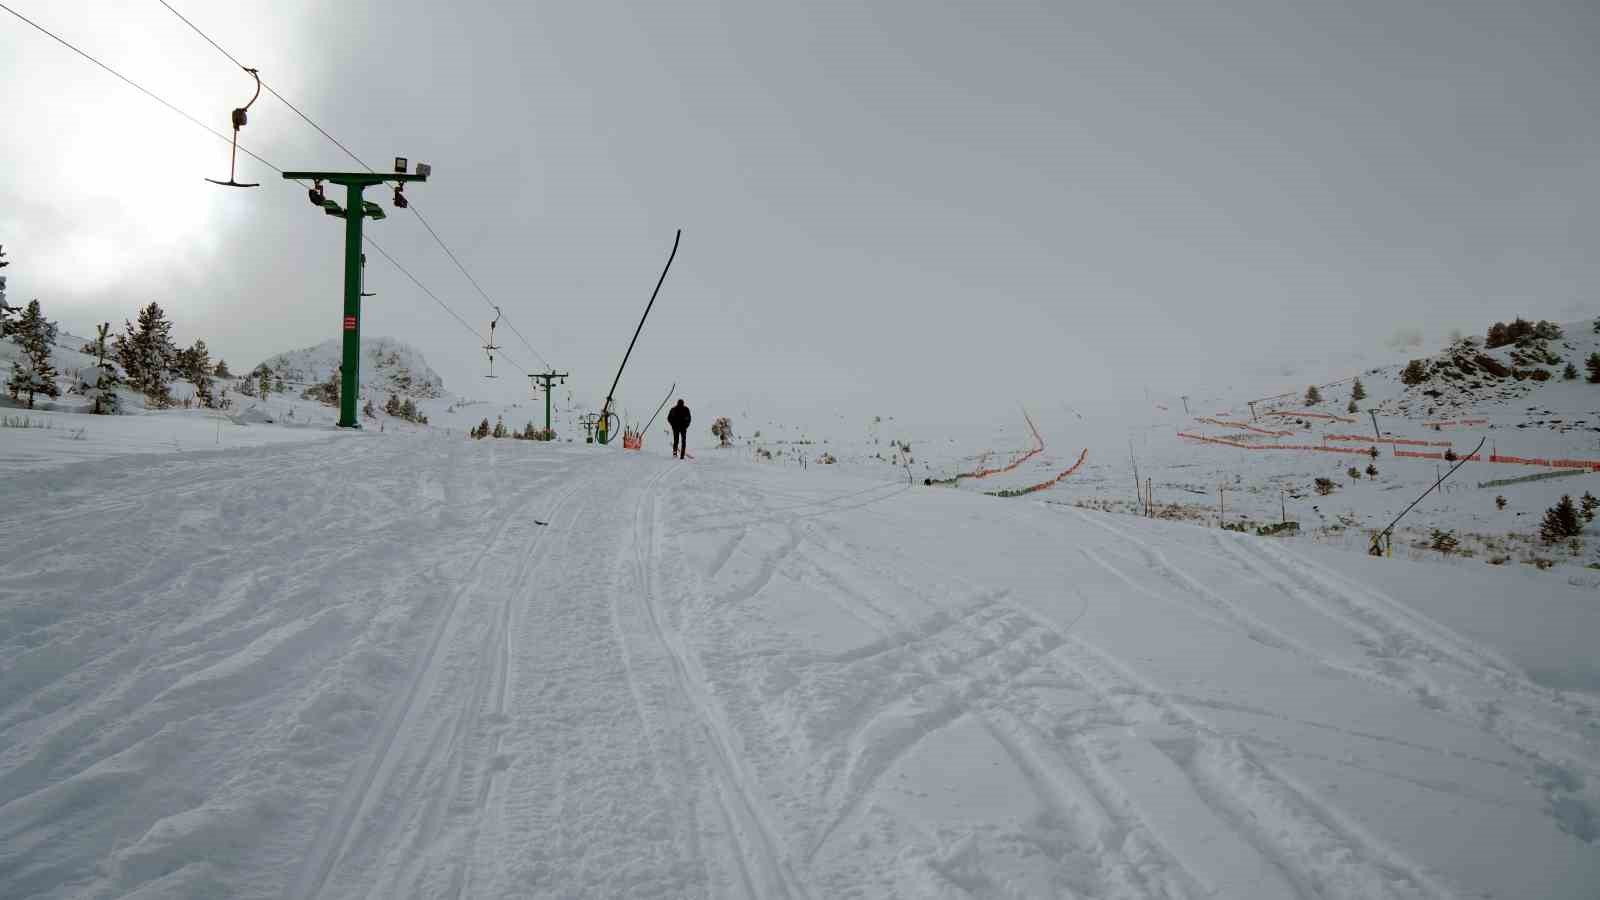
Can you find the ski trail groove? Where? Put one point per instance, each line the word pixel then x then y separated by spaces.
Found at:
pixel 340 828
pixel 732 782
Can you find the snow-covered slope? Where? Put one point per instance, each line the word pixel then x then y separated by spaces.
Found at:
pixel 411 665
pixel 387 366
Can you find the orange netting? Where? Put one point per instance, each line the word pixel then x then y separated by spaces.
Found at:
pixel 1307 415
pixel 1051 483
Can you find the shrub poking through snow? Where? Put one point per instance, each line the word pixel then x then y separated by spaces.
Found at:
pixel 1560 522
pixel 1415 372
pixel 1326 486
pixel 1570 373
pixel 722 430
pixel 1443 541
pixel 1354 473
pixel 1500 502
pixel 1372 470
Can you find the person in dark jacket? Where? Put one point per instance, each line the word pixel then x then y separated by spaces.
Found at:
pixel 679 419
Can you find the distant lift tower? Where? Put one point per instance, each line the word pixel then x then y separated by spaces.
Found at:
pixel 353 213
pixel 547 378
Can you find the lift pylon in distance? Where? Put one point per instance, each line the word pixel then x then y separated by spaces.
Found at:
pixel 354 212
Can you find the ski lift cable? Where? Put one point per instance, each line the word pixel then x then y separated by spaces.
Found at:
pixel 363 163
pixel 257 157
pixel 133 84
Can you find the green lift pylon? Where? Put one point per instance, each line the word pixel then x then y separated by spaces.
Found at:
pixel 354 213
pixel 547 378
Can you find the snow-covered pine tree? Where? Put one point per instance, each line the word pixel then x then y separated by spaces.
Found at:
pixel 482 431
pixel 146 353
pixel 7 313
pixel 499 427
pixel 1357 391
pixel 33 374
pixel 100 385
pixel 196 368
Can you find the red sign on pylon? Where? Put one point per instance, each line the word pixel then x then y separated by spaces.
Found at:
pixel 349 323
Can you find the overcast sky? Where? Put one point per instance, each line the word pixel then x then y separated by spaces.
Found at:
pixel 914 208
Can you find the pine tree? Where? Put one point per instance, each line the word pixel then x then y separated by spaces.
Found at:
pixel 482 431
pixel 1357 391
pixel 368 410
pixel 393 406
pixel 1593 365
pixel 1313 395
pixel 277 383
pixel 408 411
pixel 1415 372
pixel 499 427
pixel 1589 503
pixel 102 392
pixel 7 313
pixel 195 367
pixel 1352 408
pixel 221 370
pixel 1570 373
pixel 1560 522
pixel 146 353
pixel 263 376
pixel 1496 337
pixel 33 374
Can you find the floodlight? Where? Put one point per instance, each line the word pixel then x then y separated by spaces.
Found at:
pixel 424 170
pixel 400 164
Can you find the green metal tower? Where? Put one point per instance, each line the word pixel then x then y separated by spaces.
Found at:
pixel 354 213
pixel 547 378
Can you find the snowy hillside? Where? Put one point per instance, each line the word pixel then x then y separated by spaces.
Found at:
pixel 411 665
pixel 388 366
pixel 1257 465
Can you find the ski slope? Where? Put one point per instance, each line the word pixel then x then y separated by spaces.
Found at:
pixel 412 665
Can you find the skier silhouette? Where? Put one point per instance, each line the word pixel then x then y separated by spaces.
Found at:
pixel 679 419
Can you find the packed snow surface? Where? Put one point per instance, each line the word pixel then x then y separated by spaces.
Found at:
pixel 413 665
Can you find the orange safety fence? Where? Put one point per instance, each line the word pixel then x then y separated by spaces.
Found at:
pixel 1038 448
pixel 1429 454
pixel 1455 422
pixel 632 440
pixel 1590 464
pixel 1317 447
pixel 1307 415
pixel 1366 440
pixel 1018 492
pixel 1245 425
